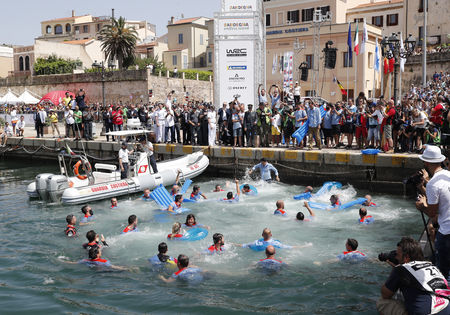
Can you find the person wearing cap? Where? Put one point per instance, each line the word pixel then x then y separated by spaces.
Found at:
pixel 265 169
pixel 437 203
pixel 124 160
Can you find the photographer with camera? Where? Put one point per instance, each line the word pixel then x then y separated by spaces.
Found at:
pixel 423 287
pixel 437 202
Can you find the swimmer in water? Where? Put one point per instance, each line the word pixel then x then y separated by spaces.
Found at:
pixel 146 196
pixel 176 205
pixel 95 260
pixel 71 230
pixel 280 208
pixel 162 258
pixel 364 218
pixel 132 224
pixel 192 223
pixel 184 273
pixel 270 263
pixel 176 187
pixel 267 240
pixel 230 196
pixel 196 193
pixel 114 203
pixel 351 254
pixel 88 215
pixel 177 231
pixel 218 189
pixel 94 240
pixel 218 246
pixel 301 217
pixel 368 202
pixel 334 200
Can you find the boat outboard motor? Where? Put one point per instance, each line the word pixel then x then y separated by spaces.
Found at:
pixel 41 185
pixel 56 184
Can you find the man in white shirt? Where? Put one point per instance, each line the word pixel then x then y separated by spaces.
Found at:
pixel 170 125
pixel 70 121
pixel 124 160
pixel 211 126
pixel 14 119
pixel 148 148
pixel 160 118
pixel 297 93
pixel 20 127
pixel 437 203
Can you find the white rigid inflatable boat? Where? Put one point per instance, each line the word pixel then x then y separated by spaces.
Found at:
pixel 104 182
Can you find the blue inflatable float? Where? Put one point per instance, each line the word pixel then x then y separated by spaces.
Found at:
pixel 370 151
pixel 324 206
pixel 326 187
pixel 253 190
pixel 301 132
pixel 194 234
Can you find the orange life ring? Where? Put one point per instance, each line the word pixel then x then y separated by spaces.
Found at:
pixel 76 171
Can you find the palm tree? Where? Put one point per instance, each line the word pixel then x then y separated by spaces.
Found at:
pixel 118 41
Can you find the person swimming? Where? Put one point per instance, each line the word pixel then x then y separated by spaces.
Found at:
pixel 192 223
pixel 196 193
pixel 270 263
pixel 162 259
pixel 218 188
pixel 132 224
pixel 351 254
pixel 334 200
pixel 368 202
pixel 94 240
pixel 218 246
pixel 176 205
pixel 88 215
pixel 114 203
pixel 230 197
pixel 177 231
pixel 71 230
pixel 364 218
pixel 146 196
pixel 267 240
pixel 95 260
pixel 280 208
pixel 176 187
pixel 184 273
pixel 301 217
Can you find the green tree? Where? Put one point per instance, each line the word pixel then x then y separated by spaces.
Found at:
pixel 157 65
pixel 119 42
pixel 54 65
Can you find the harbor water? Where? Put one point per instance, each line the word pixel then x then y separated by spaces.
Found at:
pixel 36 278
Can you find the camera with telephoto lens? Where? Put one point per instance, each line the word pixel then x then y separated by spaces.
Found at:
pixel 389 256
pixel 414 179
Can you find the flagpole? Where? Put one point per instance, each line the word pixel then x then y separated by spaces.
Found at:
pixel 390 85
pixel 356 73
pixel 374 78
pixel 348 65
pixel 382 77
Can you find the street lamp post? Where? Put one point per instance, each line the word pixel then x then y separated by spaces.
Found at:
pixel 392 49
pixel 102 66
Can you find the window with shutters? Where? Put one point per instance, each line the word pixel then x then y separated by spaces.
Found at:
pixel 293 16
pixel 307 15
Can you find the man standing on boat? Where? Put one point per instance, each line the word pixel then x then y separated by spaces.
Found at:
pixel 148 148
pixel 124 160
pixel 265 169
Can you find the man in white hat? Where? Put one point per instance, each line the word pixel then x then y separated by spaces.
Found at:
pixel 437 203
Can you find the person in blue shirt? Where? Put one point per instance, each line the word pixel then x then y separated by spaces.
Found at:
pixel 265 169
pixel 314 121
pixel 196 193
pixel 265 241
pixel 185 272
pixel 95 260
pixel 230 197
pixel 336 115
pixel 88 215
pixel 327 128
pixel 300 118
pixel 270 263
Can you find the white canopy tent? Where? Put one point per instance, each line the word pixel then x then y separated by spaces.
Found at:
pixel 9 98
pixel 27 98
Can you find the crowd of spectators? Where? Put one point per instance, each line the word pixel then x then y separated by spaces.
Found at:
pixel 420 117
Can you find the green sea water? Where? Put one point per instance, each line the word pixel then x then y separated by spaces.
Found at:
pixel 34 279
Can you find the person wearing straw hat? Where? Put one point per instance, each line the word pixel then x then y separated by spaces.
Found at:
pixel 437 203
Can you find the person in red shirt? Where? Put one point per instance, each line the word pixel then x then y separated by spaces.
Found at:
pixel 436 116
pixel 390 116
pixel 117 118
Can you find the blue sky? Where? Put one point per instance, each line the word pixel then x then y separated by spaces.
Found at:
pixel 21 19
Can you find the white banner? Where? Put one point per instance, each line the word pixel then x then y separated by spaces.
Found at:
pixel 236 26
pixel 239 5
pixel 236 71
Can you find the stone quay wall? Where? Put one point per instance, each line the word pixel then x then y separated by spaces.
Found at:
pixel 130 86
pixel 436 62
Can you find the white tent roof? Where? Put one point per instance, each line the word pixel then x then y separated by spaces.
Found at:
pixel 9 98
pixel 27 98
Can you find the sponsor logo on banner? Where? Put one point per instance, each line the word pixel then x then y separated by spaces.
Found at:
pixel 237 67
pixel 236 26
pixel 241 8
pixel 240 5
pixel 236 78
pixel 237 52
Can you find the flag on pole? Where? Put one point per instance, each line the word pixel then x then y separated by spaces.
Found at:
pixel 356 40
pixel 376 57
pixel 349 41
pixel 343 91
pixel 364 39
pixel 402 50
